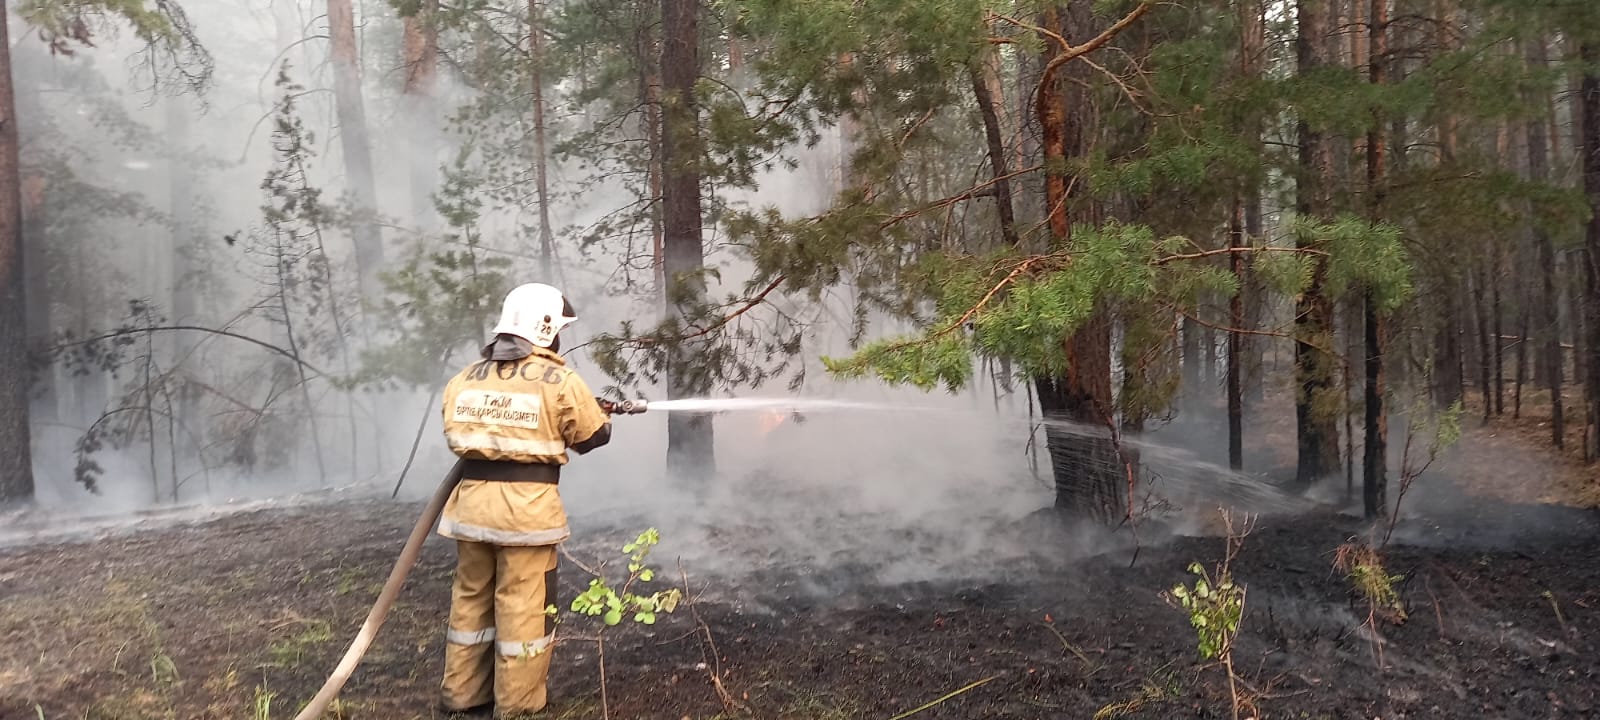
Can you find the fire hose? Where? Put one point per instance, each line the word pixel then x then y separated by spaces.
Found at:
pixel 397 577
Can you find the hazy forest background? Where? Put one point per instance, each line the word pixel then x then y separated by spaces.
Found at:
pixel 243 241
pixel 1073 274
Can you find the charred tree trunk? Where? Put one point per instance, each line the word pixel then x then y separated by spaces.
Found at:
pixel 1090 477
pixel 1316 369
pixel 541 158
pixel 1374 465
pixel 1546 328
pixel 421 49
pixel 689 437
pixel 16 464
pixel 1590 100
pixel 353 135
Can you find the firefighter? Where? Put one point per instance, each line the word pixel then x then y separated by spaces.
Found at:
pixel 512 416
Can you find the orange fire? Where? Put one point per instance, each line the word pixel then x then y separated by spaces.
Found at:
pixel 771 419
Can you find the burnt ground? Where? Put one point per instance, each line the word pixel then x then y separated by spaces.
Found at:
pixel 242 617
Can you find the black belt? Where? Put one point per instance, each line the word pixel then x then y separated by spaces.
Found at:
pixel 501 471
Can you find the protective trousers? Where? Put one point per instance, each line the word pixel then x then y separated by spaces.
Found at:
pixel 498 646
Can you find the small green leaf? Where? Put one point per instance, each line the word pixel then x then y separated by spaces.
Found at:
pixel 613 617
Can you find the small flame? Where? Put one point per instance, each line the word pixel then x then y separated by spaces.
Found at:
pixel 771 419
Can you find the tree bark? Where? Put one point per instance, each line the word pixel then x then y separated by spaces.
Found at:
pixel 689 437
pixel 1254 23
pixel 1589 92
pixel 421 50
pixel 1481 314
pixel 16 463
pixel 1316 418
pixel 1091 477
pixel 983 90
pixel 1236 240
pixel 1522 364
pixel 1374 465
pixel 1547 328
pixel 650 100
pixel 353 135
pixel 1496 344
pixel 45 404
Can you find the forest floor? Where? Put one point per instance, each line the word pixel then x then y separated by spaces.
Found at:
pixel 242 617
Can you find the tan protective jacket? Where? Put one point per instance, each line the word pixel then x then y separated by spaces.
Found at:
pixel 527 411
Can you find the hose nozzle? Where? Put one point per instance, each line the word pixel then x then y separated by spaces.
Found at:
pixel 626 407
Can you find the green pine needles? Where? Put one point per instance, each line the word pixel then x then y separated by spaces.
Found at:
pixel 1023 307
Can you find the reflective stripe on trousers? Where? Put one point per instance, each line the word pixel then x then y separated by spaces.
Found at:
pixel 469 637
pixel 514 648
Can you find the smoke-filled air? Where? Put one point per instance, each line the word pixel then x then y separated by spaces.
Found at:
pixel 799 359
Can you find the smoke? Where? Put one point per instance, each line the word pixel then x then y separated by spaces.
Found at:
pixel 902 486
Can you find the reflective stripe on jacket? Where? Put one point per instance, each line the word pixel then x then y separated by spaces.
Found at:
pixel 530 410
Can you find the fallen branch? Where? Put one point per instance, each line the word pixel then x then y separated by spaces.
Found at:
pixel 714 668
pixel 1072 649
pixel 935 703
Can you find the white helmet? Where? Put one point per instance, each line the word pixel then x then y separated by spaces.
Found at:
pixel 535 312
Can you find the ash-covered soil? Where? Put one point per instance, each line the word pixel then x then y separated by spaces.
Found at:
pixel 242 617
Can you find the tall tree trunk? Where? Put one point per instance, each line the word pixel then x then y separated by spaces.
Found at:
pixel 1450 359
pixel 1590 94
pixel 354 139
pixel 1253 50
pixel 16 463
pixel 1522 363
pixel 1090 477
pixel 185 232
pixel 1236 241
pixel 1244 222
pixel 650 99
pixel 421 50
pixel 983 90
pixel 1190 394
pixel 689 437
pixel 1546 329
pixel 1481 315
pixel 541 158
pixel 1374 465
pixel 1496 338
pixel 45 404
pixel 1316 416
